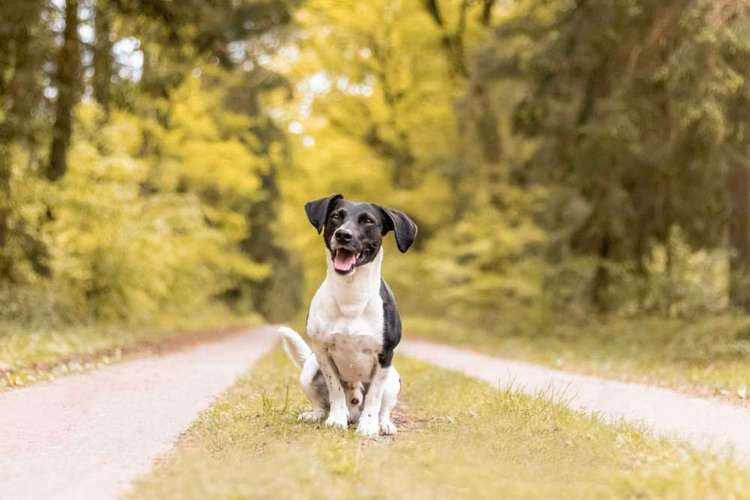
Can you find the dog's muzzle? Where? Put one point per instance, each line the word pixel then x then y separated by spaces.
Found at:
pixel 344 260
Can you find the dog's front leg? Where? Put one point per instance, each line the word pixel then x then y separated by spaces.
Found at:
pixel 338 416
pixel 369 419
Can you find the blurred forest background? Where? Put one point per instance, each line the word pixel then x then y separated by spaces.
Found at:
pixel 566 160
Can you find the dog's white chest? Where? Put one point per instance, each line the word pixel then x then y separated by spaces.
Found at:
pixel 353 338
pixel 355 356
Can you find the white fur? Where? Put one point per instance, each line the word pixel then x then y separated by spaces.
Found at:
pixel 294 346
pixel 345 327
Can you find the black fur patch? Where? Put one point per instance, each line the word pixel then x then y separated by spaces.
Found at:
pixel 391 325
pixel 318 210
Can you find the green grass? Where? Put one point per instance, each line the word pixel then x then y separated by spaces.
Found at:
pixel 458 438
pixel 30 354
pixel 708 356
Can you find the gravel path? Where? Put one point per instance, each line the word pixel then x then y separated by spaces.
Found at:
pixel 88 436
pixel 705 423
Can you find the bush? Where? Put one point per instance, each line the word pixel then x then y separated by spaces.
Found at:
pixel 128 236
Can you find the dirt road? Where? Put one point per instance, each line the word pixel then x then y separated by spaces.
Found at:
pixel 88 436
pixel 705 423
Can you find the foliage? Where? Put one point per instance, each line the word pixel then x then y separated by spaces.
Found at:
pixel 565 156
pixel 114 253
pixel 159 174
pixel 634 103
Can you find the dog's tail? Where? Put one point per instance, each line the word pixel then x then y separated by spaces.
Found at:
pixel 294 346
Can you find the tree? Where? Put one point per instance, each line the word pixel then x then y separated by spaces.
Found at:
pixel 67 81
pixel 630 106
pixel 278 296
pixel 102 54
pixel 20 92
pixel 177 176
pixel 400 61
pixel 477 117
pixel 739 235
pixel 728 18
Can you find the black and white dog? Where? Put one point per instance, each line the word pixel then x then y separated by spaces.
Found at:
pixel 353 323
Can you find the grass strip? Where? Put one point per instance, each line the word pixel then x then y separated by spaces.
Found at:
pixel 458 438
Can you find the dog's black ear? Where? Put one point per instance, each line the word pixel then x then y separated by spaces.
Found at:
pixel 317 210
pixel 400 223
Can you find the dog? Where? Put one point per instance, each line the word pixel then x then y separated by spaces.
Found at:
pixel 353 323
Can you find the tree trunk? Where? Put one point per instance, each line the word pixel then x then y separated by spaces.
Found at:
pixel 102 55
pixel 600 281
pixel 5 262
pixel 16 95
pixel 486 16
pixel 739 236
pixel 68 63
pixel 452 41
pixel 641 268
pixel 669 257
pixel 403 163
pixel 487 132
pixel 279 296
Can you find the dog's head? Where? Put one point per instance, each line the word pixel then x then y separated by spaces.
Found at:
pixel 353 231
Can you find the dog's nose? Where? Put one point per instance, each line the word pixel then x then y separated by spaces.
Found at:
pixel 343 235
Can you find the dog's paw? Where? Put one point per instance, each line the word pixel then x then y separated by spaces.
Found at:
pixel 312 415
pixel 387 427
pixel 368 426
pixel 337 420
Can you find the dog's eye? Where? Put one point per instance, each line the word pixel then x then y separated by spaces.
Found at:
pixel 335 216
pixel 366 220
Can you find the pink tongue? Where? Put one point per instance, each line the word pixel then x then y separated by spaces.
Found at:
pixel 343 261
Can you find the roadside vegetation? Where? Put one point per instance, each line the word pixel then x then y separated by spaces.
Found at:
pixel 707 356
pixel 32 354
pixel 137 174
pixel 458 438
